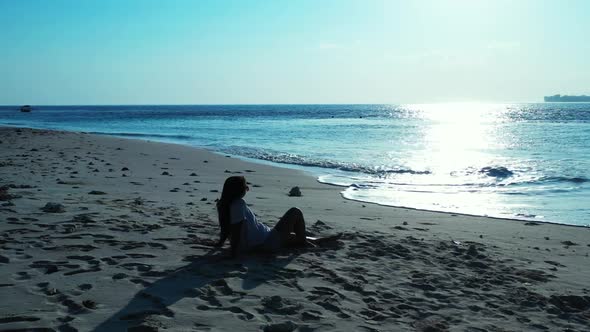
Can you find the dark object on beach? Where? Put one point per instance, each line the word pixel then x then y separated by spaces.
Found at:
pixel 53 208
pixel 497 172
pixel 295 192
pixel 26 108
pixel 193 174
pixel 124 169
pixel 97 192
pixel 568 243
pixel 165 173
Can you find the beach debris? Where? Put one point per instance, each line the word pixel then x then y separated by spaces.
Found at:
pixel 405 223
pixel 165 173
pixel 53 208
pixel 568 243
pixel 295 192
pixel 203 199
pixel 97 192
pixel 193 174
pixel 124 169
pixel 287 326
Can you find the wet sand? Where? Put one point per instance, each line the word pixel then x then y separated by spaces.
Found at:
pixel 108 234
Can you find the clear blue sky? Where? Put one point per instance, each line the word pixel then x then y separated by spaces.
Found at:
pixel 187 52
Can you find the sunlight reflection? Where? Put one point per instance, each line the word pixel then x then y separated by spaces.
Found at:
pixel 456 138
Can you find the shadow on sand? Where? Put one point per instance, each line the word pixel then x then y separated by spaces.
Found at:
pixel 187 281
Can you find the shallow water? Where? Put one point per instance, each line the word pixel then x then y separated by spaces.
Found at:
pixel 525 161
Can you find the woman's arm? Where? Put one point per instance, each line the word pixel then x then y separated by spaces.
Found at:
pixel 234 240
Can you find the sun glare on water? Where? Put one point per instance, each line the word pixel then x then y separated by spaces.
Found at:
pixel 456 135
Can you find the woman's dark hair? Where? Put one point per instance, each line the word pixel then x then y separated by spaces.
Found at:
pixel 233 188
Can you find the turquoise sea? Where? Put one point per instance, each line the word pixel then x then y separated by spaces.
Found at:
pixel 523 161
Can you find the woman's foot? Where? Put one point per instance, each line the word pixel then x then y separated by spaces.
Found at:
pixel 322 241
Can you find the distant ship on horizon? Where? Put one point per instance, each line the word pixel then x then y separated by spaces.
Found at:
pixel 567 99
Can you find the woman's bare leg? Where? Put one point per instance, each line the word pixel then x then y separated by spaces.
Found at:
pixel 291 228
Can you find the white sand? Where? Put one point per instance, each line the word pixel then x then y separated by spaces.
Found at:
pixel 137 256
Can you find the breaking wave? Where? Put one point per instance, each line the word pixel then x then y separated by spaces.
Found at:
pixel 294 159
pixel 168 136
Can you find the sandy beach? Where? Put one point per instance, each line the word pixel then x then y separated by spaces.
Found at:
pixel 106 234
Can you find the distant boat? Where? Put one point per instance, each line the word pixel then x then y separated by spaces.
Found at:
pixel 26 108
pixel 567 99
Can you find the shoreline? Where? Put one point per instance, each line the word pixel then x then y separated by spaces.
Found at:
pixel 307 170
pixel 129 246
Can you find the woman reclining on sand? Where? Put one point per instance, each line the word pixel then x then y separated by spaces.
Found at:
pixel 246 233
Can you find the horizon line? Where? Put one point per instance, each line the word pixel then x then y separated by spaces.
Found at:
pixel 288 104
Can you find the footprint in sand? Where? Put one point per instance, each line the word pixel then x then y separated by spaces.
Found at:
pixel 22 276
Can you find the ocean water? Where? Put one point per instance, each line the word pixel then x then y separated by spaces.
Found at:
pixel 523 161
